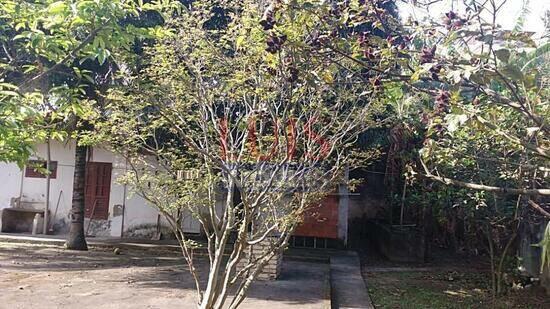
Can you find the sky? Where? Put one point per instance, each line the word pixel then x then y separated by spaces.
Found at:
pixel 507 17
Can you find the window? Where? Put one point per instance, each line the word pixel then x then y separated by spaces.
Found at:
pixel 34 167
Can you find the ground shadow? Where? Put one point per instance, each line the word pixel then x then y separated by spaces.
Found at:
pixel 299 283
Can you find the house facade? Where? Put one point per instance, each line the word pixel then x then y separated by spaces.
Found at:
pixel 112 208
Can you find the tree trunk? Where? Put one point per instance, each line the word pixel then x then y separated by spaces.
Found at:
pixel 77 239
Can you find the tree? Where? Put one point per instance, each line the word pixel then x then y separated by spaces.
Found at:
pixel 230 123
pixel 48 48
pixel 475 96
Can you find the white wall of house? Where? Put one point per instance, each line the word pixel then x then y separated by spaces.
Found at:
pixel 32 191
pixel 139 217
pixel 10 183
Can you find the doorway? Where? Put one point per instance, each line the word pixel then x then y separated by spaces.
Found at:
pixel 97 190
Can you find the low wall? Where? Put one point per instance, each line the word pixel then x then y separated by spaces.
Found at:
pixel 398 243
pixel 17 220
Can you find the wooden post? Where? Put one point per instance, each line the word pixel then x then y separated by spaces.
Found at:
pixel 48 181
pixel 91 217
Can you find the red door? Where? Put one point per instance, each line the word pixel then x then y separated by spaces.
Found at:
pixel 97 190
pixel 321 221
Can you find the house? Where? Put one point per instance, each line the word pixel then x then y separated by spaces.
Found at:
pixel 112 209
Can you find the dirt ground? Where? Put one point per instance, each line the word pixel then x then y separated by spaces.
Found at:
pixel 33 276
pixel 448 281
pixel 445 289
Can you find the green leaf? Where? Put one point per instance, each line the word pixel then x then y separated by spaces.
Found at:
pixel 513 72
pixel 23 35
pixel 88 78
pixel 239 41
pixel 503 55
pixel 57 7
pixel 101 56
pixel 20 26
pixel 9 93
pixel 416 76
pixel 455 121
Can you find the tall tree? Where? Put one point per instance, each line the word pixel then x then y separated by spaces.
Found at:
pixel 45 48
pixel 76 239
pixel 230 106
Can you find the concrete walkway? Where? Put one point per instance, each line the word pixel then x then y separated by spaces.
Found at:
pixel 347 284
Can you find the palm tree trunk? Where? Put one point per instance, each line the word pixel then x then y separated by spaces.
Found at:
pixel 77 239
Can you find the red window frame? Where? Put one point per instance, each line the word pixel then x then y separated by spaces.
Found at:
pixel 32 172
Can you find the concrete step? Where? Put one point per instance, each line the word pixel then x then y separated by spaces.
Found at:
pixel 347 285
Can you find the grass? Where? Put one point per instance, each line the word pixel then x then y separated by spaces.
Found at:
pixel 430 289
